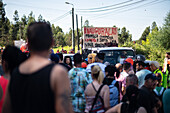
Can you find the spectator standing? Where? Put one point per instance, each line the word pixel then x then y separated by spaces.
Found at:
pixel 98 61
pixel 130 80
pixel 124 74
pixel 141 72
pixel 96 87
pixel 38 85
pixel 158 91
pixel 91 58
pixel 166 101
pixel 113 84
pixel 131 105
pixel 146 97
pixel 11 58
pixel 154 65
pixel 61 62
pixel 54 58
pixel 79 79
pixel 68 61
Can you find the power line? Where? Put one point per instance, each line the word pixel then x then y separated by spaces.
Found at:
pixel 115 7
pixel 62 16
pixel 107 6
pixel 34 6
pixel 118 11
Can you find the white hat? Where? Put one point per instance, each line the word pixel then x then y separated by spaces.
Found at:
pixel 155 63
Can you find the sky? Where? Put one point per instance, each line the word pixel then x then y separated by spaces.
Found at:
pixel 135 15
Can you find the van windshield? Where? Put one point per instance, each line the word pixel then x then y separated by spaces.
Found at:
pixel 114 56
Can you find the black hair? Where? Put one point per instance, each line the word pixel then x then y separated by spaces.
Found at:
pixel 132 94
pixel 13 57
pixel 70 64
pixel 54 58
pixel 77 58
pixel 126 66
pixel 111 70
pixel 39 36
pixel 140 63
pixel 60 56
pixel 168 53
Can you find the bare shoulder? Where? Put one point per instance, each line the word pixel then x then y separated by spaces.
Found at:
pixel 115 109
pixel 59 74
pixel 88 87
pixel 105 87
pixel 142 110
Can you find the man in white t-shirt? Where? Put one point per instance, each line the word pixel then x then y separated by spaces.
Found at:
pixel 98 61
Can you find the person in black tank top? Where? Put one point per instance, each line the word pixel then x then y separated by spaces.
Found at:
pixel 32 92
pixel 130 106
pixel 37 85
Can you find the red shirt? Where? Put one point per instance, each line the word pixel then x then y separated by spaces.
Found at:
pixel 3 83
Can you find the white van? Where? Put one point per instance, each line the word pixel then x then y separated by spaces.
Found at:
pixel 114 55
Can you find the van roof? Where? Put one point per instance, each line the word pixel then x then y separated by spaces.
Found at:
pixel 111 48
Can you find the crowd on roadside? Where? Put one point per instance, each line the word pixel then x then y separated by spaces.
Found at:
pixel 45 82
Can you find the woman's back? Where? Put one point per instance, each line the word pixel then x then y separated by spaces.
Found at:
pixel 123 108
pixel 90 93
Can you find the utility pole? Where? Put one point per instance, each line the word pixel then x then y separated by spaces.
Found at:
pixel 81 35
pixel 77 33
pixel 73 42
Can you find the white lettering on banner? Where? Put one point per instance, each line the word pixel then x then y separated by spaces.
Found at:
pixel 100 37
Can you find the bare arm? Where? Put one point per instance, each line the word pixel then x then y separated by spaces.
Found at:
pixel 106 97
pixel 154 110
pixel 142 110
pixel 7 103
pixel 115 109
pixel 60 84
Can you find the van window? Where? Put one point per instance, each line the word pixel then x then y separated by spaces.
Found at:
pixel 114 56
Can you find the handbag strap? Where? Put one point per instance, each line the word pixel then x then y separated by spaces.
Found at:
pixel 96 96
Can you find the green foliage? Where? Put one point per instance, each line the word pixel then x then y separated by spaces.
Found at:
pixel 124 36
pixel 157 42
pixel 145 34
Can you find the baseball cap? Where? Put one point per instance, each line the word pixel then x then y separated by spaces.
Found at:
pixel 83 65
pixel 129 60
pixel 151 76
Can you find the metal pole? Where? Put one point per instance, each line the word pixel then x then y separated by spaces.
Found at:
pixel 77 33
pixel 81 36
pixel 73 42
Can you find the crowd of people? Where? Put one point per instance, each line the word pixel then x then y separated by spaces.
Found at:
pixel 45 82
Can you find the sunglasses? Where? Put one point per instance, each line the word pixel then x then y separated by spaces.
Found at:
pixel 90 58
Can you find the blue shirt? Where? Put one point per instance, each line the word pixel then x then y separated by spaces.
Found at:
pixel 79 79
pixel 141 76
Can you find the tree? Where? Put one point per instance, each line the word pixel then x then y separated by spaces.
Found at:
pixel 154 26
pixel 60 39
pixel 2 19
pixel 86 23
pixel 124 36
pixel 16 25
pixel 31 18
pixel 164 34
pixel 40 18
pixel 145 33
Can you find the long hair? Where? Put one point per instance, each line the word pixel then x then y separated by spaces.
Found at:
pixel 132 94
pixel 70 64
pixel 97 73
